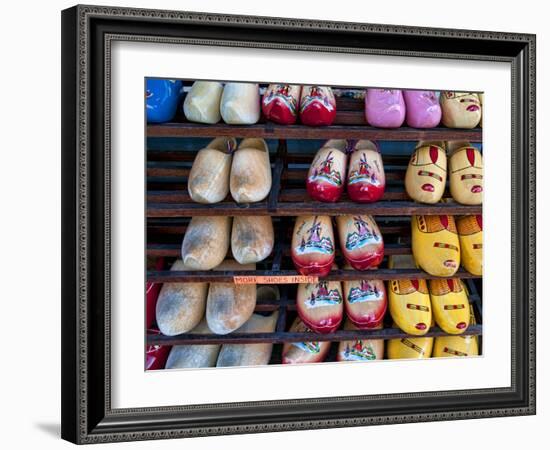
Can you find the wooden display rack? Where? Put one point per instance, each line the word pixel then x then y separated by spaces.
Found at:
pixel 169 208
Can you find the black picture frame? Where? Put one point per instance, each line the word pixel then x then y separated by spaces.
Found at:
pixel 87 32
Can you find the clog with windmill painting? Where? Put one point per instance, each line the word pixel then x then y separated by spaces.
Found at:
pixel 317 106
pixel 280 103
pixel 320 305
pixel 366 180
pixel 304 352
pixel 360 241
pixel 312 247
pixel 325 179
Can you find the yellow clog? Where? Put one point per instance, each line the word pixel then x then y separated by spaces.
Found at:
pixel 435 244
pixel 450 305
pixel 427 172
pixel 470 234
pixel 465 173
pixel 453 346
pixel 410 348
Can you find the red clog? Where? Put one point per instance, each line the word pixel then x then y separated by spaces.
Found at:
pixel 325 179
pixel 317 106
pixel 361 241
pixel 312 248
pixel 366 180
pixel 280 103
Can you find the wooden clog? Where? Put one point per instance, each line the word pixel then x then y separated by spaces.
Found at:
pixel 304 352
pixel 250 178
pixel 232 355
pixel 209 176
pixel 251 238
pixel 161 99
pixel 190 356
pixel 450 305
pixel 465 173
pixel 366 179
pixel 365 302
pixel 435 244
pixel 410 348
pixel 325 179
pixel 230 305
pixel 360 241
pixel 320 305
pixel 240 103
pixel 460 109
pixel 423 110
pixel 360 349
pixel 385 108
pixel 312 248
pixel 202 103
pixel 280 103
pixel 410 305
pixel 206 242
pixel 427 172
pixel 317 106
pixel 470 235
pixel 180 306
pixel 455 346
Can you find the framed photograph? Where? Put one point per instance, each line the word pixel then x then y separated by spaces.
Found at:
pixel 284 224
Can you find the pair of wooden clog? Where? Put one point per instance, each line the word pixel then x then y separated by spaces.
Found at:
pixel 222 167
pixel 388 108
pixel 427 172
pixel 413 307
pixel 460 109
pixel 282 102
pixel 321 305
pixel 312 247
pixel 210 101
pixel 206 241
pixel 210 355
pixel 227 306
pixel 439 247
pixel 426 347
pixel 366 179
pixel 317 351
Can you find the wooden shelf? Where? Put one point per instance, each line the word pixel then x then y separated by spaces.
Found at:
pixel 286 336
pixel 336 275
pixel 382 208
pixel 271 131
